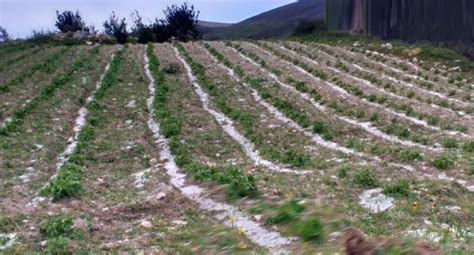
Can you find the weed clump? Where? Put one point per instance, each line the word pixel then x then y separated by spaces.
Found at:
pixel 68 183
pixel 365 179
pixel 310 229
pixel 398 189
pixel 444 162
pixel 58 230
pixel 450 143
pixel 410 155
pixel 287 212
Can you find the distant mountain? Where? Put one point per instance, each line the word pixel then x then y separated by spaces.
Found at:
pixel 212 24
pixel 279 22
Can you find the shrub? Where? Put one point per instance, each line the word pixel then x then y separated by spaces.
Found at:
pixel 67 21
pixel 306 27
pixel 365 179
pixel 59 245
pixel 287 212
pixel 444 162
pixel 117 28
pixel 310 229
pixel 40 36
pixel 399 189
pixel 58 226
pixel 182 22
pixel 410 155
pixel 143 32
pixel 4 36
pixel 68 183
pixel 468 146
pixel 450 143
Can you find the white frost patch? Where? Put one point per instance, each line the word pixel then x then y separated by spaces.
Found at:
pixel 424 234
pixel 375 200
pixel 227 213
pixel 131 104
pixel 228 125
pixel 140 178
pixel 26 177
pixel 7 240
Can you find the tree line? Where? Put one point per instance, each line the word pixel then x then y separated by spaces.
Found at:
pixel 180 22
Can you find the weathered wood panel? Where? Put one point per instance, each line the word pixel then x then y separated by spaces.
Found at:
pixel 433 20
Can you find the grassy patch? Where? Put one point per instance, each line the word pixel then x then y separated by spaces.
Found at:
pixel 287 212
pixel 68 183
pixel 310 229
pixel 444 162
pixel 365 179
pixel 400 188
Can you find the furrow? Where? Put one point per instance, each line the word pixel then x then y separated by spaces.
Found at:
pixel 253 230
pixel 228 126
pixel 346 93
pixel 403 83
pixel 366 126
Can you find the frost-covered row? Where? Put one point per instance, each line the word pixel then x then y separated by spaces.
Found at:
pixel 80 122
pixel 228 214
pixel 344 92
pixel 366 126
pixel 228 126
pixel 380 90
pixel 399 81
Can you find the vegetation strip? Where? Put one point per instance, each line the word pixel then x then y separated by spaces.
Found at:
pixel 399 71
pixel 48 66
pixel 365 126
pixel 48 91
pixel 346 92
pixel 369 84
pixel 68 181
pixel 226 123
pixel 406 84
pixel 12 61
pixel 224 212
pixel 438 176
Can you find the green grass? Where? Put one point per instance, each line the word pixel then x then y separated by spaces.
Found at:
pixel 58 231
pixel 287 212
pixel 444 162
pixel 365 179
pixel 310 229
pixel 68 183
pixel 401 188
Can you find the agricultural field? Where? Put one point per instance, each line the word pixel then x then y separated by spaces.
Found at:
pixel 234 147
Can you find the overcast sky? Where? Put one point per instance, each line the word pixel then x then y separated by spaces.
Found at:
pixel 20 17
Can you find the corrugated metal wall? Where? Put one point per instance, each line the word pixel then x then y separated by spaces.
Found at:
pixel 434 20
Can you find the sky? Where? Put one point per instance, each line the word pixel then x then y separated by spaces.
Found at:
pixel 20 17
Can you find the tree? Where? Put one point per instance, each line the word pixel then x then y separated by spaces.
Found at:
pixel 4 36
pixel 67 21
pixel 143 32
pixel 182 22
pixel 117 28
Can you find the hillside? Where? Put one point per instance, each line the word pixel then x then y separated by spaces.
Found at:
pixel 279 22
pixel 257 147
